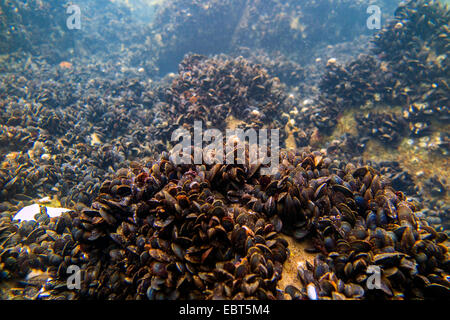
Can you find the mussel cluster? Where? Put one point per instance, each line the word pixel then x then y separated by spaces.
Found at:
pixel 386 127
pixel 408 67
pixel 21 25
pixel 277 65
pixel 59 135
pixel 166 231
pixel 347 86
pixel 215 90
pixel 37 254
pixel 437 213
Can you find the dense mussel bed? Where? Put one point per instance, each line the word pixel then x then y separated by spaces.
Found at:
pixel 93 135
pixel 162 231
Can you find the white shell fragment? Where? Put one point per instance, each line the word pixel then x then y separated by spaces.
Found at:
pixel 311 291
pixel 27 213
pixel 56 212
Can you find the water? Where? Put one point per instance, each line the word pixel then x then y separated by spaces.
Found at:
pixel 96 97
